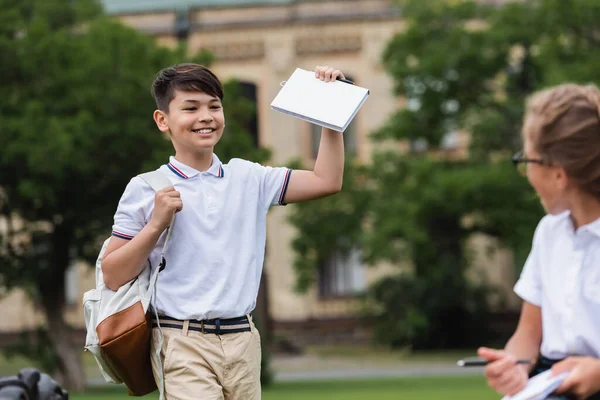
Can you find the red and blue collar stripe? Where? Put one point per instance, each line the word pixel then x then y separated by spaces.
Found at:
pixel 179 173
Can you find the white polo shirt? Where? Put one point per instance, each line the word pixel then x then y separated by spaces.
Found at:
pixel 216 251
pixel 562 276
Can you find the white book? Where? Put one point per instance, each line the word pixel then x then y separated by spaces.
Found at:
pixel 539 387
pixel 329 104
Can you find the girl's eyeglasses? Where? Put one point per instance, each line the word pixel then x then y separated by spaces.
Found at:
pixel 520 161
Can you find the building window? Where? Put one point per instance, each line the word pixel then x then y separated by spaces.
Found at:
pixel 182 23
pixel 250 124
pixel 350 140
pixel 343 274
pixel 350 137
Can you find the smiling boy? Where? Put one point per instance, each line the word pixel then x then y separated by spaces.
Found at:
pixel 211 348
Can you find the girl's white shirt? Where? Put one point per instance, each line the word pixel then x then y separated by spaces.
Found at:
pixel 562 276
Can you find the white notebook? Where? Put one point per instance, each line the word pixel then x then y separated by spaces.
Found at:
pixel 539 387
pixel 329 104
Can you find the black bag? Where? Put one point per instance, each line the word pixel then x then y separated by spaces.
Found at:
pixel 30 384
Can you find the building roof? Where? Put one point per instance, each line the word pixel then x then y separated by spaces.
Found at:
pixel 142 6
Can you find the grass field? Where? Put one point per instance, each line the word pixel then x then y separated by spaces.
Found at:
pixel 316 358
pixel 471 387
pixel 459 388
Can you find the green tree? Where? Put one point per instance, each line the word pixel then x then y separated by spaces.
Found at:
pixel 499 56
pixel 480 87
pixel 77 125
pixel 434 204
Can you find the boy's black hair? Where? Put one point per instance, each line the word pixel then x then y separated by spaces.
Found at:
pixel 186 77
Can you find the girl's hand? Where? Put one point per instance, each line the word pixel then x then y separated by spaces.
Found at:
pixel 503 373
pixel 584 376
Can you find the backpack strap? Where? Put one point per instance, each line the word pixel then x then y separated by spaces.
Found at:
pixel 157 180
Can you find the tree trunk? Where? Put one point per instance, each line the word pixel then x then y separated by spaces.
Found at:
pixel 71 373
pixel 52 292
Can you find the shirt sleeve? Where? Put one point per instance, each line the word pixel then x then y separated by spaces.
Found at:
pixel 273 185
pixel 131 213
pixel 529 285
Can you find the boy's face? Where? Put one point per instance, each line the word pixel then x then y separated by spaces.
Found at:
pixel 195 121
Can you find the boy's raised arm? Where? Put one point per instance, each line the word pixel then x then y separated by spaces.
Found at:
pixel 326 178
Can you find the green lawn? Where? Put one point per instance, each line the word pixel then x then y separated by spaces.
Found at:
pixel 459 388
pixel 439 388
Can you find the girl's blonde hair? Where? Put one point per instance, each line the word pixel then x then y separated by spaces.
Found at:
pixel 563 123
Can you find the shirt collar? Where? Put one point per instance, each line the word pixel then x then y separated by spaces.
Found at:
pixel 186 172
pixel 592 227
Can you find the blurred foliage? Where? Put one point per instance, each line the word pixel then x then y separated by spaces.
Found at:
pixel 429 211
pixel 439 311
pixel 76 115
pixel 462 66
pixel 35 345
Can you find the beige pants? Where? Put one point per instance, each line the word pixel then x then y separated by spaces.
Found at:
pixel 209 366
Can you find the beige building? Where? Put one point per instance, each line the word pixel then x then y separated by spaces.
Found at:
pixel 261 43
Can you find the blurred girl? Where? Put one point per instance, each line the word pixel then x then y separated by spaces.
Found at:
pixel 559 324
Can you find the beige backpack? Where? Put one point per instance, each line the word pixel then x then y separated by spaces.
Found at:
pixel 119 325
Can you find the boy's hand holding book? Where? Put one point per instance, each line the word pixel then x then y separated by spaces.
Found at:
pixel 328 74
